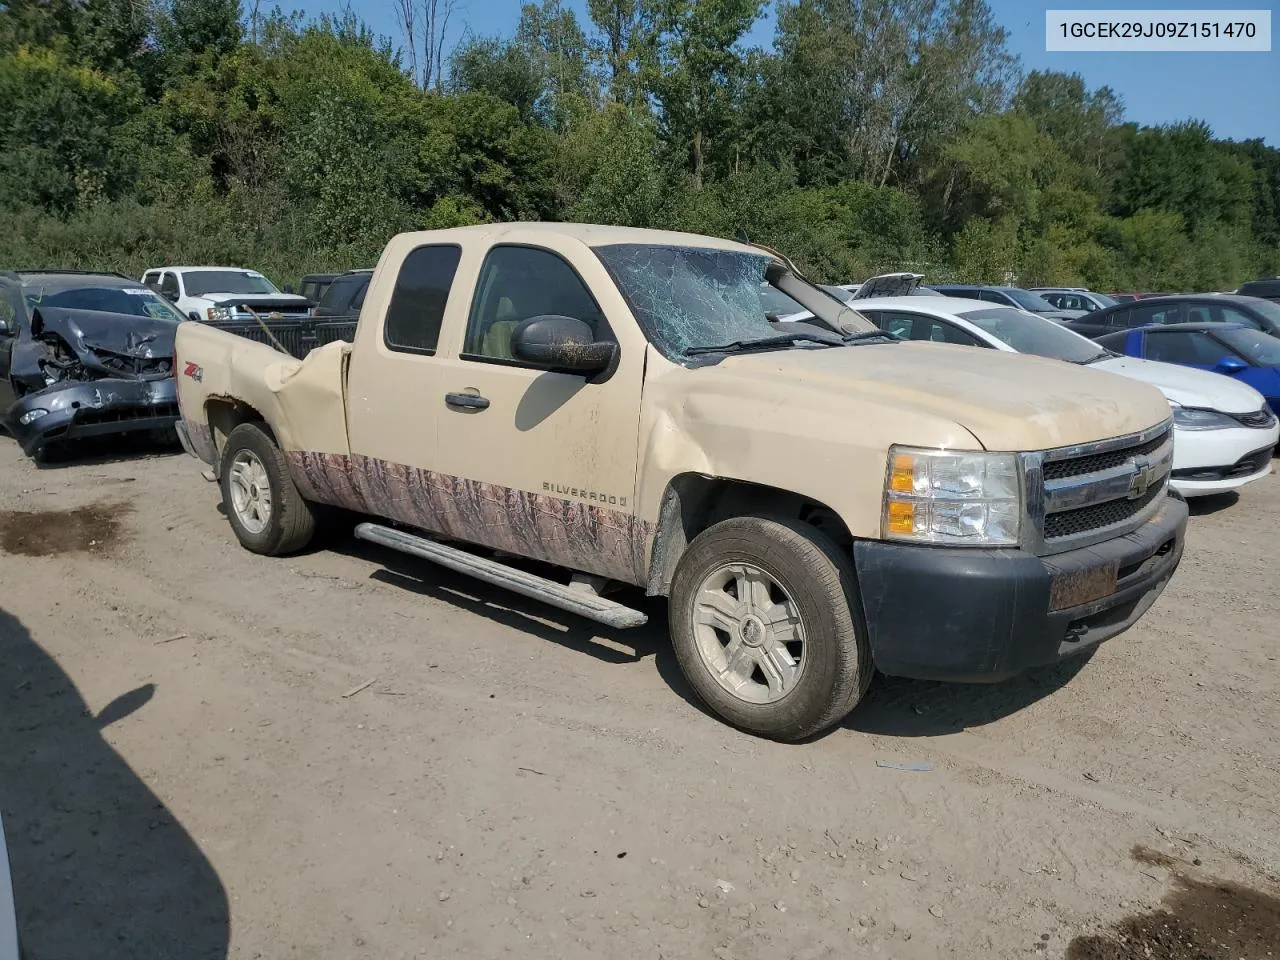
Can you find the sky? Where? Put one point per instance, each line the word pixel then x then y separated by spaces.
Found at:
pixel 1237 94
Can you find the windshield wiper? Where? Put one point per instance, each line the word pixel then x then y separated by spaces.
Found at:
pixel 764 343
pixel 865 336
pixel 1104 355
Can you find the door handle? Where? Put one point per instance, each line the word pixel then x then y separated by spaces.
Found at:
pixel 469 401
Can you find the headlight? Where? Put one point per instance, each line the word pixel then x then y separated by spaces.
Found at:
pixel 955 498
pixel 32 415
pixel 219 314
pixel 1191 418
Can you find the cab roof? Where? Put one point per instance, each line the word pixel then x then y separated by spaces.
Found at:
pixel 592 235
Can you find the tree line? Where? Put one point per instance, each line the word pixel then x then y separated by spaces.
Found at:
pixel 873 135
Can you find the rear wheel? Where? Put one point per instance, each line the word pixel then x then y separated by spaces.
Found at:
pixel 266 511
pixel 765 623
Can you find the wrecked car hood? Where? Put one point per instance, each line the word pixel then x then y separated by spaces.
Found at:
pixel 1008 401
pixel 105 344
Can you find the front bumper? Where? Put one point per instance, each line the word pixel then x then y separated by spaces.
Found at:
pixel 80 409
pixel 1216 461
pixel 986 615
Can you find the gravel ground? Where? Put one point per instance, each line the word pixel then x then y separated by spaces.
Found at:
pixel 208 754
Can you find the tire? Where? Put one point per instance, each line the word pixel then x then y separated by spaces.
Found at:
pixel 286 522
pixel 813 584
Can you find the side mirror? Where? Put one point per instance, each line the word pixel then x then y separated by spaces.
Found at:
pixel 288 288
pixel 1230 366
pixel 563 344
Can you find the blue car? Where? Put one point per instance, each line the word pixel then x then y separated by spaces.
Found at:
pixel 1232 349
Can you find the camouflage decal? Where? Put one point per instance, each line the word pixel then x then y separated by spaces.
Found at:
pixel 580 536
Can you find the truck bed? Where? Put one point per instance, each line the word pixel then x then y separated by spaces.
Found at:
pixel 299 337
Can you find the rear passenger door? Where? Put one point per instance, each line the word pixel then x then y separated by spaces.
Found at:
pixel 393 384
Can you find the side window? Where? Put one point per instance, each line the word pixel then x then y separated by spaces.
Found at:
pixel 1232 315
pixel 939 331
pixel 1120 319
pixel 169 285
pixel 1185 347
pixel 992 296
pixel 895 324
pixel 152 279
pixel 10 307
pixel 358 300
pixel 1155 313
pixel 521 282
pixel 417 303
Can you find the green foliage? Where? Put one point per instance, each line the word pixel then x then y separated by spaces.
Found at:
pixel 875 135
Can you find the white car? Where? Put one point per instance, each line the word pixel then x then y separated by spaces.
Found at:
pixel 220 294
pixel 8 923
pixel 1223 430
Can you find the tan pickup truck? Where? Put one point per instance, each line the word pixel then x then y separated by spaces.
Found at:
pixel 816 500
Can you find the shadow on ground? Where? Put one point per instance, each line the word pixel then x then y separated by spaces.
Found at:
pixel 529 616
pixel 1207 506
pixel 97 451
pixel 892 706
pixel 101 868
pixel 896 707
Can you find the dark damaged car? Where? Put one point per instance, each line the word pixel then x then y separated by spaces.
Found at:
pixel 83 355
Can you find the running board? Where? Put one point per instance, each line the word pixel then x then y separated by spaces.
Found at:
pixel 575 600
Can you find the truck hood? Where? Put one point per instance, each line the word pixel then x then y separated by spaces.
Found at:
pixel 1008 401
pixel 1187 386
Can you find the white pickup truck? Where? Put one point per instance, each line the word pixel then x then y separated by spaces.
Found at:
pixel 619 403
pixel 221 294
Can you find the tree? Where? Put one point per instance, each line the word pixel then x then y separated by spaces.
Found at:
pixel 696 72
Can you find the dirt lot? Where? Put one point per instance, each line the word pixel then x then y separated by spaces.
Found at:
pixel 183 773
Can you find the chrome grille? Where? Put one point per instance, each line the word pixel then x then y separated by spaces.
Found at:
pixel 1100 515
pixel 1095 462
pixel 1083 494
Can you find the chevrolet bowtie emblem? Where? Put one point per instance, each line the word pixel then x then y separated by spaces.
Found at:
pixel 1144 474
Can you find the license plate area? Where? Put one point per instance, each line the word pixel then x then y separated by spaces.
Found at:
pixel 1078 587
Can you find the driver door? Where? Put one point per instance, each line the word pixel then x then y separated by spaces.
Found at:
pixel 543 464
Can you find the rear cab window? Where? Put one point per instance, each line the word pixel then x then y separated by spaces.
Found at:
pixel 417 304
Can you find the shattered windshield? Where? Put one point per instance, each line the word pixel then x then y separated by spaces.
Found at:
pixel 696 297
pixel 198 283
pixel 1028 334
pixel 131 301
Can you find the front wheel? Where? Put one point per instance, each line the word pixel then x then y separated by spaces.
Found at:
pixel 766 625
pixel 266 511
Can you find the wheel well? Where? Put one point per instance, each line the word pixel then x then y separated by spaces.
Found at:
pixel 693 502
pixel 224 416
